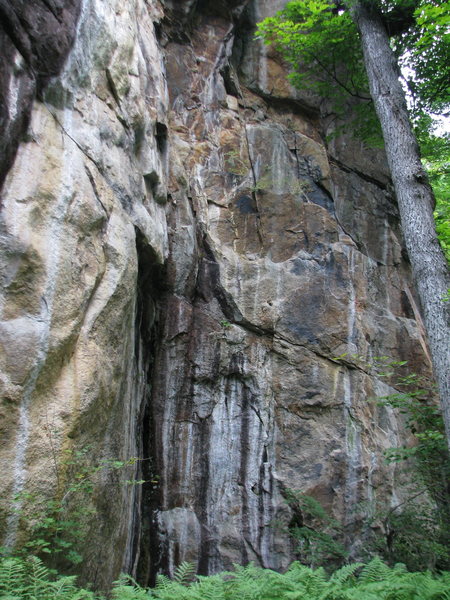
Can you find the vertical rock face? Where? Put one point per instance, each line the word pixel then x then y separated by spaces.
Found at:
pixel 35 38
pixel 184 257
pixel 84 237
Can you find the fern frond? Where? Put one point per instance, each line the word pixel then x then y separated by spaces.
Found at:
pixel 64 588
pixel 129 592
pixel 39 577
pixel 299 594
pixel 162 582
pixel 355 594
pixel 376 570
pixel 212 587
pixel 12 575
pixel 392 590
pixel 399 568
pixel 80 595
pixel 297 571
pixel 184 573
pixel 175 591
pixel 29 579
pixel 274 585
pixel 345 572
pixel 246 572
pixel 244 582
pixel 430 588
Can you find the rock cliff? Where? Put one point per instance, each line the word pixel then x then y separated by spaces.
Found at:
pixel 184 256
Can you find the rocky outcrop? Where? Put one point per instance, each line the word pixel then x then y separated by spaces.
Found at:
pixel 35 38
pixel 184 259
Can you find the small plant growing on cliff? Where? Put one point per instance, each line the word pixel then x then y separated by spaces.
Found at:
pixel 299 187
pixel 235 164
pixel 315 532
pixel 58 530
pixel 417 530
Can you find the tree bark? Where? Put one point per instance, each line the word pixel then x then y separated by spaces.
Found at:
pixel 414 194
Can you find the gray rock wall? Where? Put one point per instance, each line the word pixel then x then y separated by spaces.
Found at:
pixel 184 256
pixel 35 38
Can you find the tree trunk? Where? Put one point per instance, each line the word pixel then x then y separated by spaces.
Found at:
pixel 414 195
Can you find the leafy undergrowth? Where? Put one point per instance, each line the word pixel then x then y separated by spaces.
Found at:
pixel 29 579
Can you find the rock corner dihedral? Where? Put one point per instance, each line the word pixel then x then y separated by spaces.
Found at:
pixel 184 256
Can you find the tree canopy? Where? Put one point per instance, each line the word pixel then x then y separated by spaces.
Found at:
pixel 322 43
pixel 425 50
pixel 420 33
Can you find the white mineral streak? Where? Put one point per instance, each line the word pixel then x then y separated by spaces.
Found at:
pixel 351 311
pixel 371 495
pixel 14 86
pixel 15 218
pixel 138 386
pixel 353 451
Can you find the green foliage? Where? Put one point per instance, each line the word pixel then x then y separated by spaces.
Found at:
pixel 415 400
pixel 436 159
pixel 376 581
pixel 322 46
pixel 320 41
pixel 314 39
pixel 127 589
pixel 414 534
pixel 417 530
pixel 184 573
pixel 425 50
pixel 299 31
pixel 29 579
pixel 316 533
pixel 58 528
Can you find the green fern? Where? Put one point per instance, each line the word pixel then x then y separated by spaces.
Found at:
pixel 344 573
pixel 12 575
pixel 184 573
pixel 163 582
pixel 126 588
pixel 29 579
pixel 376 570
pixel 174 591
pixel 244 582
pixel 39 578
pixel 430 588
pixel 212 587
pixel 275 585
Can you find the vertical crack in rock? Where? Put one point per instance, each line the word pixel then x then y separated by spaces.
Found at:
pixel 211 435
pixel 149 291
pixel 207 550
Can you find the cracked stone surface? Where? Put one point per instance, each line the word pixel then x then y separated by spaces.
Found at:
pixel 35 39
pixel 183 259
